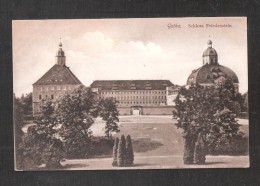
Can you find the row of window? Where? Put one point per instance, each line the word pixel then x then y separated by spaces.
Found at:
pixel 138 97
pixel 147 102
pixel 46 96
pixel 55 88
pixel 134 92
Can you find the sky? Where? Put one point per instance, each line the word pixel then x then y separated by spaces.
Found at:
pixel 126 49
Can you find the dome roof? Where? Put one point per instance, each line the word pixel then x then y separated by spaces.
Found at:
pixel 210 51
pixel 208 73
pixel 211 70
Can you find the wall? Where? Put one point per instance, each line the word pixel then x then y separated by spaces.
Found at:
pixel 49 91
pixel 127 98
pixel 124 110
pixel 148 110
pixel 163 110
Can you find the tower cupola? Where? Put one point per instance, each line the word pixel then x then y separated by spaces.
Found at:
pixel 60 56
pixel 210 55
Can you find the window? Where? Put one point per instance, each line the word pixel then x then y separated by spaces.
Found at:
pixel 40 97
pixel 46 96
pixel 52 97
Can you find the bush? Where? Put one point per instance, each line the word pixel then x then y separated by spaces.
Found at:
pixel 121 152
pixel 115 149
pixel 232 147
pixel 129 152
pixel 38 148
pixel 243 115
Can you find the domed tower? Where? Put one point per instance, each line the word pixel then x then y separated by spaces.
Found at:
pixel 60 56
pixel 211 70
pixel 210 56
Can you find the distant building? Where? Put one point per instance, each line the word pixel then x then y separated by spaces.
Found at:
pixel 138 97
pixel 53 83
pixel 211 70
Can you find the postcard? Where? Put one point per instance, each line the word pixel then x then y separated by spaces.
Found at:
pixel 130 93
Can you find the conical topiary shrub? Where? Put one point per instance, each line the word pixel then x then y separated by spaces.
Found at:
pixel 121 152
pixel 129 161
pixel 115 148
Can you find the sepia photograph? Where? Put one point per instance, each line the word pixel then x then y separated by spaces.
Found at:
pixel 130 93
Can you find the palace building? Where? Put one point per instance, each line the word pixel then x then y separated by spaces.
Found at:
pixel 211 70
pixel 56 81
pixel 138 97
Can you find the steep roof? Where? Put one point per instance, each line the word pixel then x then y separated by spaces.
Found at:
pixel 207 73
pixel 131 84
pixel 58 75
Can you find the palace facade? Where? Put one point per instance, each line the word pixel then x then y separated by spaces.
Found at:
pixel 139 97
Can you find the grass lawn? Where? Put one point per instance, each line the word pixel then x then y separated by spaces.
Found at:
pixel 157 144
pixel 153 135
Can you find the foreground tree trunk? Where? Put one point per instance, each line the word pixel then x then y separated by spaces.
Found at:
pixel 189 145
pixel 200 150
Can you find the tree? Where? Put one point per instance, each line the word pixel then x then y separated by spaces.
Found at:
pixel 206 115
pixel 18 116
pixel 27 103
pixel 245 103
pixel 41 143
pixel 129 152
pixel 109 113
pixel 121 152
pixel 75 112
pixel 115 149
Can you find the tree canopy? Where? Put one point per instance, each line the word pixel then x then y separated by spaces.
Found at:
pixel 75 115
pixel 208 114
pixel 109 113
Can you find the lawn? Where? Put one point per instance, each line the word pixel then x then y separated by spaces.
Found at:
pixel 152 135
pixel 157 144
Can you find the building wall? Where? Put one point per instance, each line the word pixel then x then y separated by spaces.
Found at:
pixel 48 91
pixel 136 97
pixel 172 93
pixel 164 110
pixel 124 111
pixel 148 110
